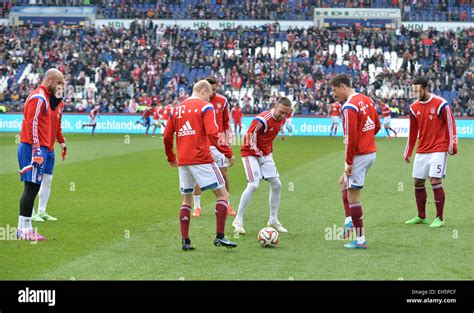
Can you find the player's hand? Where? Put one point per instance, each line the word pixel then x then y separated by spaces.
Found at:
pixel 454 151
pixel 63 150
pixel 342 179
pixel 37 158
pixel 407 160
pixel 231 161
pixel 348 169
pixel 173 163
pixel 282 137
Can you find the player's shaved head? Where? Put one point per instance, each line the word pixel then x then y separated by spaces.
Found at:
pixel 52 79
pixel 203 90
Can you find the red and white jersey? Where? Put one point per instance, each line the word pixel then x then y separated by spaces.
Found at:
pixel 361 123
pixel 194 122
pixel 36 125
pixel 94 112
pixel 432 122
pixel 386 110
pixel 258 140
pixel 221 108
pixel 156 115
pixel 165 113
pixel 56 126
pixel 335 109
pixel 237 114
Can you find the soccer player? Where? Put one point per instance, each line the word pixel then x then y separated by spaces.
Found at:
pixel 334 113
pixel 56 133
pixel 221 108
pixel 165 113
pixel 145 120
pixel 237 115
pixel 361 123
pixel 432 123
pixel 32 150
pixel 156 120
pixel 194 122
pixel 258 161
pixel 93 115
pixel 387 117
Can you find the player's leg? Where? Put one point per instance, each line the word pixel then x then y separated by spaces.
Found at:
pixel 437 172
pixel 355 183
pixel 348 225
pixel 335 128
pixel 45 190
pixel 420 174
pixel 197 201
pixel 385 126
pixel 186 183
pixel 270 174
pixel 224 172
pixel 147 125
pixel 253 173
pixel 207 177
pixel 31 176
pixel 332 127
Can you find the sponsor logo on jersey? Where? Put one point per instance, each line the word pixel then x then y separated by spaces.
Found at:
pixel 186 130
pixel 369 125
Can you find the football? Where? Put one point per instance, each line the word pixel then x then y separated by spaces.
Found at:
pixel 268 237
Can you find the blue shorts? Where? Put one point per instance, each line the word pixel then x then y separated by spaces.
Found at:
pixel 49 163
pixel 28 172
pixel 146 121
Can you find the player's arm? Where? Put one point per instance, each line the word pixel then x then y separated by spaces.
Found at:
pixel 59 134
pixel 447 115
pixel 255 127
pixel 350 131
pixel 377 122
pixel 226 123
pixel 168 139
pixel 212 131
pixel 412 135
pixel 37 104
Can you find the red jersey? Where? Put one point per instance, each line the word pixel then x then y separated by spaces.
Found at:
pixel 194 122
pixel 56 127
pixel 361 123
pixel 166 112
pixel 335 109
pixel 432 122
pixel 35 128
pixel 258 140
pixel 237 115
pixel 386 110
pixel 147 113
pixel 156 115
pixel 221 108
pixel 94 112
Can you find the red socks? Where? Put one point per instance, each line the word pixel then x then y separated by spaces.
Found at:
pixel 184 219
pixel 356 213
pixel 345 200
pixel 221 215
pixel 420 195
pixel 439 197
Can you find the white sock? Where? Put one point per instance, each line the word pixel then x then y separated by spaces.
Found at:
pixel 274 199
pixel 24 223
pixel 360 239
pixel 244 200
pixel 197 201
pixel 44 192
pixel 347 220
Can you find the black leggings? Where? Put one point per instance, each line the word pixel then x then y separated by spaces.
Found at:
pixel 27 200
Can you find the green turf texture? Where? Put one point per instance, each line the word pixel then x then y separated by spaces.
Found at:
pixel 118 203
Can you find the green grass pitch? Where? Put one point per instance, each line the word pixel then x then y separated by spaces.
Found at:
pixel 117 205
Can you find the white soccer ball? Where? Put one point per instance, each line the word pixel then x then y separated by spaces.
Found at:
pixel 268 237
